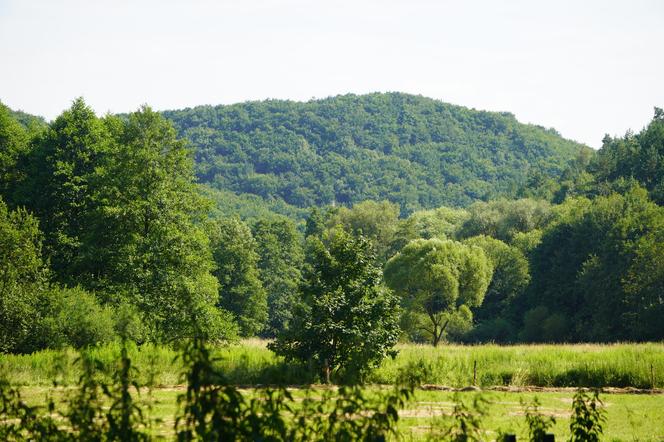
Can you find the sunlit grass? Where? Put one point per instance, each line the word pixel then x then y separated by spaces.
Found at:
pixel 251 363
pixel 629 416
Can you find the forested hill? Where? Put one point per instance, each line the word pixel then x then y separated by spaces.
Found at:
pixel 412 150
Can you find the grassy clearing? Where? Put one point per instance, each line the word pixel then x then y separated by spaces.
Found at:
pixel 629 417
pixel 251 363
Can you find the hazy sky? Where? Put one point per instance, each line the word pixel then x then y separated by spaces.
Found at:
pixel 584 67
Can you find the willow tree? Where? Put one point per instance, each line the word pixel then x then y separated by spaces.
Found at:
pixel 439 279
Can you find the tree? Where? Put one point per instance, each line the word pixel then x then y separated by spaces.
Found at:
pixel 348 321
pixel 13 144
pixel 144 244
pixel 22 278
pixel 279 247
pixel 439 278
pixel 60 187
pixel 510 276
pixel 376 221
pixel 241 291
pixel 598 267
pixel 639 157
pixel 502 219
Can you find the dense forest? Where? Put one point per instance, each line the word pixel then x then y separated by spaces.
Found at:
pixel 416 152
pixel 422 221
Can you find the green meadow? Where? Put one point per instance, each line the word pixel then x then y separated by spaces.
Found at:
pixel 251 363
pixel 629 416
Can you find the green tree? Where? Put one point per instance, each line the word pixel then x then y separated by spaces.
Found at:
pixel 639 157
pixel 376 221
pixel 60 186
pixel 14 141
pixel 597 267
pixel 73 317
pixel 348 321
pixel 503 219
pixel 279 247
pixel 439 278
pixel 144 244
pixel 241 291
pixel 510 276
pixel 22 278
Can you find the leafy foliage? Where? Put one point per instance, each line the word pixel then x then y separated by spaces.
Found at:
pixel 73 317
pixel 14 140
pixel 639 157
pixel 441 279
pixel 413 151
pixel 348 321
pixel 281 257
pixel 584 269
pixel 241 291
pixel 510 276
pixel 213 410
pixel 538 424
pixel 22 278
pixel 587 418
pixel 62 165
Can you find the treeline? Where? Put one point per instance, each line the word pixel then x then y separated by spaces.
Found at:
pixel 104 228
pixel 414 151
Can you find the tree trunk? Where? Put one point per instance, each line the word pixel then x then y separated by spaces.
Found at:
pixel 326 369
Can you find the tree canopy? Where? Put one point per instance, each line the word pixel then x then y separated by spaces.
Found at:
pixel 241 290
pixel 439 278
pixel 348 321
pixel 410 150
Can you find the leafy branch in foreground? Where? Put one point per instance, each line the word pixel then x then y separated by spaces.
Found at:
pixel 464 424
pixel 538 423
pixel 588 417
pixel 214 410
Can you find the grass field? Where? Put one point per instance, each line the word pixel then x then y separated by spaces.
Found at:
pixel 629 416
pixel 251 363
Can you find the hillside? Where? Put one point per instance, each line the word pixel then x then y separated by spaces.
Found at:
pixel 412 150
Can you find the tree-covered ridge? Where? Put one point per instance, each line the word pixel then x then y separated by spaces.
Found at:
pixel 28 120
pixel 411 150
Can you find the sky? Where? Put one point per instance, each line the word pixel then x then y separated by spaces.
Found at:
pixel 586 68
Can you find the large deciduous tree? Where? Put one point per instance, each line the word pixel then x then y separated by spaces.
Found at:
pixel 599 269
pixel 144 244
pixel 13 144
pixel 510 276
pixel 348 321
pixel 279 247
pixel 440 279
pixel 241 291
pixel 376 221
pixel 60 187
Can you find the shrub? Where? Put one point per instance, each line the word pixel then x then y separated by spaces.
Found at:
pixel 588 416
pixel 74 317
pixel 538 424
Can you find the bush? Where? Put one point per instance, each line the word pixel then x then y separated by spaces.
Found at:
pixel 588 417
pixel 74 317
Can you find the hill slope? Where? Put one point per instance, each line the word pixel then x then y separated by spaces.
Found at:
pixel 415 151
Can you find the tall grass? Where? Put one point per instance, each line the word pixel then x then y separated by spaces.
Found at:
pixel 579 365
pixel 251 363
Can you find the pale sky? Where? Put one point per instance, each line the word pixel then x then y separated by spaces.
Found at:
pixel 586 68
